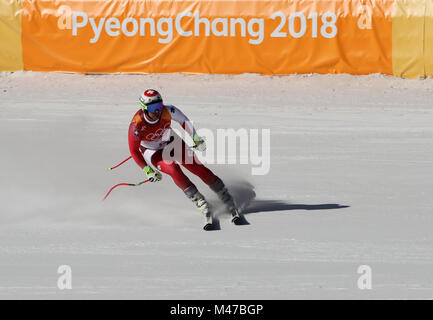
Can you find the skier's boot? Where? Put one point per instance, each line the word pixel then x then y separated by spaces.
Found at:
pixel 202 205
pixel 224 195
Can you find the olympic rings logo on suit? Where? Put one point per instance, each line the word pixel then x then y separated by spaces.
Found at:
pixel 158 133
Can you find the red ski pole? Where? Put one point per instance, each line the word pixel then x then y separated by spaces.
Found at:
pixel 124 184
pixel 109 169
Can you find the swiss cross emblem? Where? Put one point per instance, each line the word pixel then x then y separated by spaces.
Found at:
pixel 150 92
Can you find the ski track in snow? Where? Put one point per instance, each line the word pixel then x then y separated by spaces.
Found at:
pixel 350 184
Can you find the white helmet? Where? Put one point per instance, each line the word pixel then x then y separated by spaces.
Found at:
pixel 148 97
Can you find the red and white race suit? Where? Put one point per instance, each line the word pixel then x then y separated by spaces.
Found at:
pixel 147 140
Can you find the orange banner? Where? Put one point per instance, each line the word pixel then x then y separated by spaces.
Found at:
pixel 267 37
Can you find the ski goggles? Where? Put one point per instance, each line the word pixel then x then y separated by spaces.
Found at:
pixel 152 107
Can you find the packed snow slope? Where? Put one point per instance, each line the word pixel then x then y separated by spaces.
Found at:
pixel 350 184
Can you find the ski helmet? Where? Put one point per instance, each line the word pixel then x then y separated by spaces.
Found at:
pixel 151 100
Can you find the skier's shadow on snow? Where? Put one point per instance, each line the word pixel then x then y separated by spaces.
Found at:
pixel 275 205
pixel 244 195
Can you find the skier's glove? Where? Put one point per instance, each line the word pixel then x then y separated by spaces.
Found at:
pixel 152 175
pixel 199 143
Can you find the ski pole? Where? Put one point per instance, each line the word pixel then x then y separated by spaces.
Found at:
pixel 124 184
pixel 109 169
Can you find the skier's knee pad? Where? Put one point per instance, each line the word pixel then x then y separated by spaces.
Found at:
pixel 169 167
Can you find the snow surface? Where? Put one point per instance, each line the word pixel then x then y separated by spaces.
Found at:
pixel 350 184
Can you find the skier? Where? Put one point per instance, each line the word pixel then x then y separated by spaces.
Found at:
pixel 149 140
